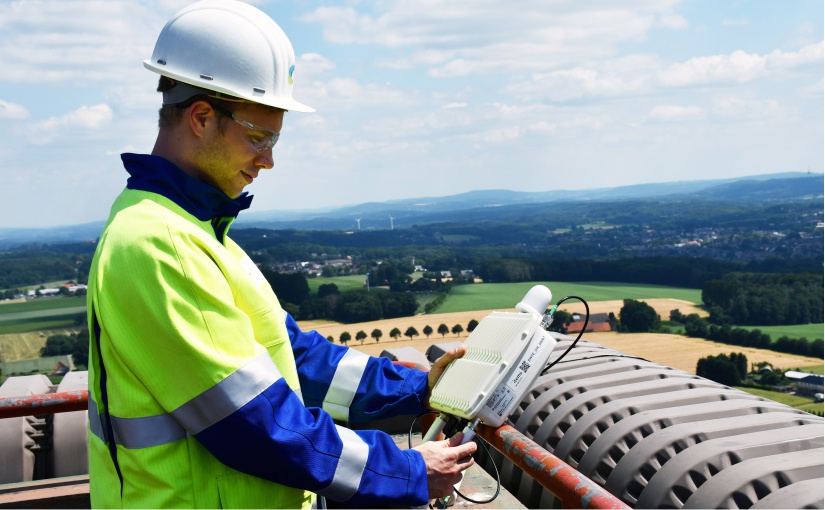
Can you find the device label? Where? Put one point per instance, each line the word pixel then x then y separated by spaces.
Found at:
pixel 520 374
pixel 500 400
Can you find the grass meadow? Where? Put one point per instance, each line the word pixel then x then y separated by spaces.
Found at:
pixel 491 296
pixel 344 283
pixel 797 401
pixel 47 303
pixel 41 314
pixel 808 331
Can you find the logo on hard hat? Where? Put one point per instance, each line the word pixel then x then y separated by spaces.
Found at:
pixel 291 70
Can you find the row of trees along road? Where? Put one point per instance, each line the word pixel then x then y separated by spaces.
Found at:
pixel 410 332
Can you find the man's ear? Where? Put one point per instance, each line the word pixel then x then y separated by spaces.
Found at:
pixel 202 117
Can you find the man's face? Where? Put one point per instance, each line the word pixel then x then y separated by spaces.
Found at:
pixel 227 159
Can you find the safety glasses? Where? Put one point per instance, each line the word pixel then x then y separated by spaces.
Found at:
pixel 258 142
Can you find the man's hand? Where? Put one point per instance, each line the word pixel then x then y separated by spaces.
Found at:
pixel 445 461
pixel 438 368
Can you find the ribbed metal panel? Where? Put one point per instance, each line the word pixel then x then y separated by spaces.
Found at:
pixel 70 432
pixel 658 437
pixel 16 434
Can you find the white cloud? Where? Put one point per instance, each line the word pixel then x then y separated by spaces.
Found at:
pixel 312 65
pixel 347 94
pixel 452 106
pixel 671 113
pixel 737 67
pixel 84 118
pixel 740 109
pixel 735 22
pixel 467 37
pixel 77 42
pixel 12 111
pixel 575 83
pixel 807 55
pixel 674 21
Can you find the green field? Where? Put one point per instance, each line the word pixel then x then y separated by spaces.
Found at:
pixel 41 314
pixel 802 403
pixel 344 283
pixel 809 331
pixel 37 324
pixel 49 303
pixel 490 296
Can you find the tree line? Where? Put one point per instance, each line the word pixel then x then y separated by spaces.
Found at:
pixel 765 299
pixel 639 317
pixel 697 327
pixel 684 272
pixel 359 305
pixel 410 332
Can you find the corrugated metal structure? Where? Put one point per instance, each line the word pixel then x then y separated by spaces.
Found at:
pixel 657 437
pixel 651 435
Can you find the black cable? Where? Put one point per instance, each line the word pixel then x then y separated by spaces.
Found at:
pixel 479 441
pixel 586 319
pixel 606 356
pixel 409 435
pixel 498 478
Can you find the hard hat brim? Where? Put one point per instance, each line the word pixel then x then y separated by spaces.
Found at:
pixel 283 102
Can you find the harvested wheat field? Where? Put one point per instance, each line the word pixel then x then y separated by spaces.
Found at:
pixel 683 352
pixel 672 350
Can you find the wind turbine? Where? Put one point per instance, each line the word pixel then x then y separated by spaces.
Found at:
pixel 391 225
pixel 359 223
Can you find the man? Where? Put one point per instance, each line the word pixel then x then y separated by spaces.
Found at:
pixel 203 391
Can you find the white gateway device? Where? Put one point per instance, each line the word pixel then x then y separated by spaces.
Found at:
pixel 506 352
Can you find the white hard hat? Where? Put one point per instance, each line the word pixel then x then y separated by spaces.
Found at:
pixel 229 47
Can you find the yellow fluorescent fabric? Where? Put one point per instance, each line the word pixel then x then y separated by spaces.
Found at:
pixel 178 312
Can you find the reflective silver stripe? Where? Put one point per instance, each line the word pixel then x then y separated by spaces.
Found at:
pixel 350 466
pixel 147 431
pixel 299 395
pixel 344 384
pixel 95 424
pixel 137 432
pixel 229 395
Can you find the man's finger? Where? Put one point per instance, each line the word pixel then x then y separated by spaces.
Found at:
pixel 450 356
pixel 465 462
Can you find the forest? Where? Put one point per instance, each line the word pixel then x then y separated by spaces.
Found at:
pixel 757 262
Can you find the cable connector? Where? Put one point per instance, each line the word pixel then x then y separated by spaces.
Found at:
pixel 547 319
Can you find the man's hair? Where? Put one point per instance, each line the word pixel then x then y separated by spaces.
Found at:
pixel 170 115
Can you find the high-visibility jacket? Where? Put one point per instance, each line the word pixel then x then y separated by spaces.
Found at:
pixel 204 392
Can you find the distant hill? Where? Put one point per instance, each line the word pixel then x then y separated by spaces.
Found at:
pixel 492 204
pixel 473 206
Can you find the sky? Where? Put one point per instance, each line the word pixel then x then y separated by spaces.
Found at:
pixel 429 98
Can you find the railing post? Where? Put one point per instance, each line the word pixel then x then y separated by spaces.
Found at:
pixel 573 489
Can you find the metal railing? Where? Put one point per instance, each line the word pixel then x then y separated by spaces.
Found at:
pixel 573 489
pixel 44 403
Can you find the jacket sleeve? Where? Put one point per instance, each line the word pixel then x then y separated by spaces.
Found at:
pixel 275 437
pixel 352 386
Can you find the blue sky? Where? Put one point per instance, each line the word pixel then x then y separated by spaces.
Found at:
pixel 429 98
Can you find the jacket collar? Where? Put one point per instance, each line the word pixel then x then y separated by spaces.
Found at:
pixel 159 175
